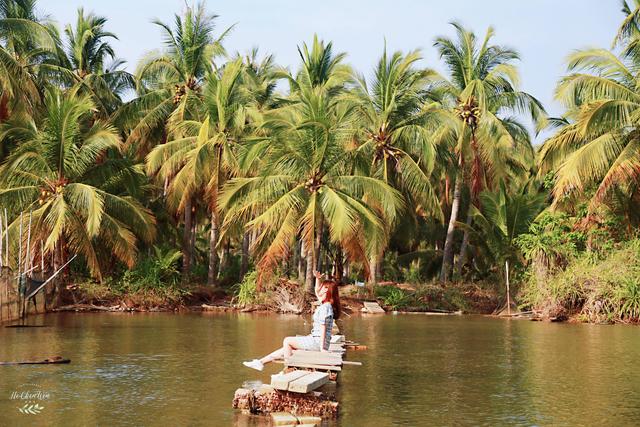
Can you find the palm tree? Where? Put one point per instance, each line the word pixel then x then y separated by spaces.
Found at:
pixel 171 80
pixel 83 68
pixel 67 171
pixel 395 143
pixel 259 79
pixel 597 148
pixel 169 84
pixel 203 153
pixel 25 40
pixel 481 90
pixel 629 29
pixel 505 216
pixel 306 184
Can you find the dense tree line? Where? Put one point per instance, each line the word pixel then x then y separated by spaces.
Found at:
pixel 240 163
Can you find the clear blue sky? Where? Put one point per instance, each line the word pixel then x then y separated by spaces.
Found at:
pixel 543 31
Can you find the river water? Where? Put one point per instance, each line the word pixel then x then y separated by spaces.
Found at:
pixel 182 369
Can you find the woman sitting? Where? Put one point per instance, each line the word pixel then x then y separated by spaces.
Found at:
pixel 327 293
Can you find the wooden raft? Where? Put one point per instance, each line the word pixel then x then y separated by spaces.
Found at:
pixel 305 387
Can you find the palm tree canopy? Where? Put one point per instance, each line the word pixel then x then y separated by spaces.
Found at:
pixel 68 173
pixel 172 79
pixel 597 145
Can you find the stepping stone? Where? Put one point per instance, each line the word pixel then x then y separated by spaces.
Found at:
pixel 283 419
pixel 373 307
pixel 308 420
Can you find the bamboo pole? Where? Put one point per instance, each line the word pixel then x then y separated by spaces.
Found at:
pixel 2 283
pixel 19 266
pixel 6 236
pixel 20 247
pixel 7 281
pixel 27 265
pixel 506 264
pixel 1 241
pixel 27 255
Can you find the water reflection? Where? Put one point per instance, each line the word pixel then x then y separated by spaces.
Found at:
pixel 166 369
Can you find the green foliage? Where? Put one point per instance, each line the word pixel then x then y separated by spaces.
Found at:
pixel 392 297
pixel 607 290
pixel 503 217
pixel 551 241
pixel 413 274
pixel 245 292
pixel 160 270
pixel 627 299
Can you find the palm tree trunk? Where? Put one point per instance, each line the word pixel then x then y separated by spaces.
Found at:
pixel 309 280
pixel 4 107
pixel 226 256
pixel 462 258
pixel 60 279
pixel 373 273
pixel 186 242
pixel 318 263
pixel 447 258
pixel 347 268
pixel 244 263
pixel 213 251
pixel 301 262
pixel 194 223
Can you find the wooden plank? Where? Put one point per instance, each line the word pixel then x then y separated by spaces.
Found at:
pixel 281 382
pixel 329 357
pixel 318 360
pixel 323 354
pixel 373 307
pixel 297 364
pixel 283 418
pixel 309 382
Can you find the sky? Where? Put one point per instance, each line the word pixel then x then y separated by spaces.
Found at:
pixel 544 32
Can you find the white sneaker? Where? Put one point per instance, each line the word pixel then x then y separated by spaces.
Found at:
pixel 254 364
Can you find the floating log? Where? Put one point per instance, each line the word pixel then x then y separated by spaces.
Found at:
pixel 268 400
pixel 87 307
pixel 207 307
pixel 55 360
pixel 26 326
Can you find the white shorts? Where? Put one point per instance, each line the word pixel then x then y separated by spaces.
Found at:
pixel 309 342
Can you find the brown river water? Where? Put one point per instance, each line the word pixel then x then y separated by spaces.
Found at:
pixel 182 369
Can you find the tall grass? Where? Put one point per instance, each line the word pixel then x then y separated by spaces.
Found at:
pixel 598 290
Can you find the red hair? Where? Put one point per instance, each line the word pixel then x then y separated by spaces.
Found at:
pixel 332 296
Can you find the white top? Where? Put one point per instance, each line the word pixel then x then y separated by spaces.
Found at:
pixel 321 317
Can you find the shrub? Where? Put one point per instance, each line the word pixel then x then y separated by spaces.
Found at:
pixel 413 274
pixel 246 292
pixel 395 298
pixel 158 271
